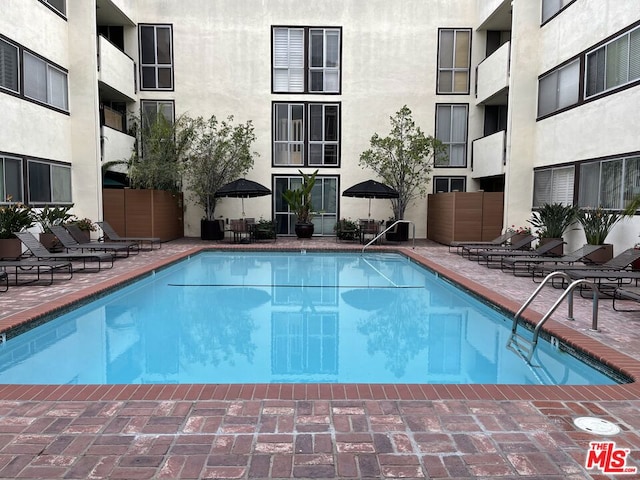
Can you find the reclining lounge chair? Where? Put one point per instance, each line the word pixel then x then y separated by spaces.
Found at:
pixel 36 270
pixel 41 253
pixel 71 243
pixel 493 259
pixel 501 240
pixel 532 266
pixel 112 235
pixel 474 250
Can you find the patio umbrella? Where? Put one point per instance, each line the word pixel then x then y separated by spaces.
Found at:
pixel 370 189
pixel 243 188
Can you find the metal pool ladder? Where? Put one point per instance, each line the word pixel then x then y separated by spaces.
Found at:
pixel 374 239
pixel 524 347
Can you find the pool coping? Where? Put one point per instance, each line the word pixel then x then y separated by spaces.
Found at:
pixel 327 391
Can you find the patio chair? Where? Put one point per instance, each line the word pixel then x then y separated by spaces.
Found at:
pixel 4 282
pixel 240 229
pixel 71 242
pixel 36 270
pixel 533 266
pixel 474 250
pixel 626 293
pixel 111 235
pixel 620 262
pixel 493 259
pixel 500 240
pixel 368 230
pixel 41 253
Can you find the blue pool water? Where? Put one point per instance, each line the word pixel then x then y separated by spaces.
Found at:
pixel 280 318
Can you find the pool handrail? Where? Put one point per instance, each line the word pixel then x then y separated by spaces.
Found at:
pixel 374 239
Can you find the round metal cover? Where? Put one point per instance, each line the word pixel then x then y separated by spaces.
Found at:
pixel 596 425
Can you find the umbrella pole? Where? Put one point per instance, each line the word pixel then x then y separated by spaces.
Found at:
pixel 242 198
pixel 369 208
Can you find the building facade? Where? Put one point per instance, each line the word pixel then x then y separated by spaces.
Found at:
pixel 535 98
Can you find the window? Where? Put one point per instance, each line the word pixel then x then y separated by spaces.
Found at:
pixel 609 183
pixel 10 179
pixel 454 57
pixel 614 64
pixel 553 185
pixel 44 82
pixel 451 130
pixel 324 198
pixel 156 57
pixel 9 66
pixel 449 184
pixel 151 109
pixel 322 67
pixel 49 182
pixel 559 88
pixel 551 7
pixel 306 127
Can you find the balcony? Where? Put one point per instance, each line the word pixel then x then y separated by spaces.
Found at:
pixel 116 72
pixel 115 12
pixel 493 77
pixel 489 155
pixel 115 145
pixel 494 14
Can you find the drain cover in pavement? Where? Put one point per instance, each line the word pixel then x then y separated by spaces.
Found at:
pixel 596 425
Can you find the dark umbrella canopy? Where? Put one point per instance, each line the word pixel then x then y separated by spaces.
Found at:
pixel 370 189
pixel 243 188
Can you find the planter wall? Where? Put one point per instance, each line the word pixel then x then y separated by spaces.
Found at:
pixel 464 216
pixel 144 213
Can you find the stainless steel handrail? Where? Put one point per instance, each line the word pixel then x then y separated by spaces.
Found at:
pixel 389 228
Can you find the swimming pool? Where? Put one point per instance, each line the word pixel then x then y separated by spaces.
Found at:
pixel 284 318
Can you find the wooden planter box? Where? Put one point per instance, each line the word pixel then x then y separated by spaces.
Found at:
pixel 144 213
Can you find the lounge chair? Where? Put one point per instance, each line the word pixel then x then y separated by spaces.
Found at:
pixel 606 279
pixel 493 259
pixel 620 262
pixel 69 242
pixel 36 270
pixel 501 240
pixel 41 253
pixel 626 293
pixel 474 250
pixel 533 266
pixel 4 282
pixel 112 235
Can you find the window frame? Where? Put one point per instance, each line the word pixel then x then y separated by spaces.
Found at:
pixel 18 69
pixel 305 144
pixel 158 104
pixel 449 143
pixel 3 178
pixel 156 65
pixel 544 21
pixel 603 47
pixel 556 71
pixel 49 67
pixel 623 186
pixel 449 178
pixel 453 69
pixel 552 170
pixel 306 60
pixel 53 8
pixel 51 164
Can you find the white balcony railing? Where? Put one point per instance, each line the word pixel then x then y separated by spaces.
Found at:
pixel 493 73
pixel 489 155
pixel 116 69
pixel 115 145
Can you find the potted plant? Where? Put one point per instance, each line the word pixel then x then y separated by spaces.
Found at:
pixel 346 229
pixel 552 221
pixel 14 217
pixel 49 216
pixel 219 152
pixel 264 230
pixel 597 223
pixel 299 201
pixel 86 226
pixel 520 233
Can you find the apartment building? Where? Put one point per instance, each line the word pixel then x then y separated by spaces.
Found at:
pixel 535 98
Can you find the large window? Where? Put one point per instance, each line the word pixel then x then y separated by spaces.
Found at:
pixel 10 179
pixel 299 128
pixel 609 183
pixel 152 108
pixel 156 57
pixel 311 66
pixel 551 7
pixel 614 64
pixel 324 198
pixel 9 66
pixel 48 182
pixel 559 89
pixel 454 60
pixel 44 82
pixel 553 185
pixel 451 130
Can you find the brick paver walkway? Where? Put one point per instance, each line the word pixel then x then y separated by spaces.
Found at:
pixel 209 431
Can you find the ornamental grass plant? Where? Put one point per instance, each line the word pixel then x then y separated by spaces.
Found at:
pixel 597 223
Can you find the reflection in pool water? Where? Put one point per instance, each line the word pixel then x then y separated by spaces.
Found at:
pixel 284 317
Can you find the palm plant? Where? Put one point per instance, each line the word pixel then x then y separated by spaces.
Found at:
pixel 299 200
pixel 597 223
pixel 553 219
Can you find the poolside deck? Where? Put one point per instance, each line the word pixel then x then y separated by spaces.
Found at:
pixel 322 431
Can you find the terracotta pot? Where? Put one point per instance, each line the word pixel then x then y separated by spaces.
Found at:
pixel 602 255
pixel 10 248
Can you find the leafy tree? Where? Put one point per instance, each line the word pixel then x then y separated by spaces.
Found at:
pixel 219 152
pixel 403 159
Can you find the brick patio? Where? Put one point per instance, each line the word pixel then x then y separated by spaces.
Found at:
pixel 318 431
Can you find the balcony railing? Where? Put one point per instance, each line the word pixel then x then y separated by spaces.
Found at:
pixel 489 155
pixel 116 70
pixel 493 74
